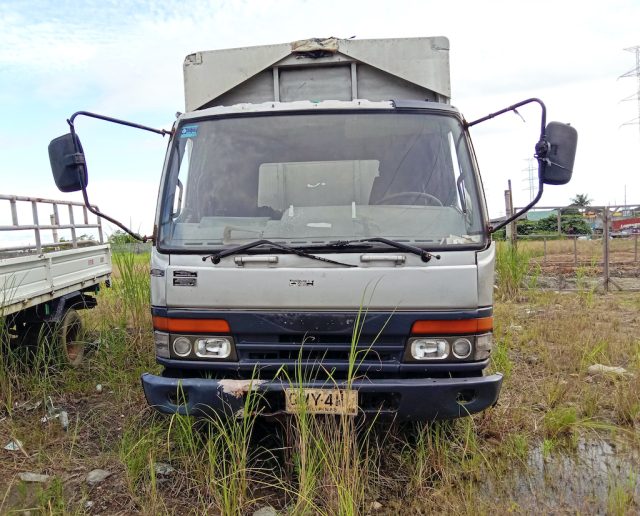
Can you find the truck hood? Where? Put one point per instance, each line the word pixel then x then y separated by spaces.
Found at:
pixel 460 279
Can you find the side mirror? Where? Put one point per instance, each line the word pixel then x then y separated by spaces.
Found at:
pixel 562 140
pixel 67 163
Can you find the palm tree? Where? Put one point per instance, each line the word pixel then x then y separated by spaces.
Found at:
pixel 581 201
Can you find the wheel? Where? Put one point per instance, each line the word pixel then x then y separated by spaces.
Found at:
pixel 411 196
pixel 68 335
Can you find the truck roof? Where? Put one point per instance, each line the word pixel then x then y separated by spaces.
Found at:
pixel 320 69
pixel 306 105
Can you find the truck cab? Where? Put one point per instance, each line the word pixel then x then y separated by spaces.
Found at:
pixel 382 196
pixel 321 236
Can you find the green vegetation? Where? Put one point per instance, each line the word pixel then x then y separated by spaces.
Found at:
pixel 513 271
pixel 570 224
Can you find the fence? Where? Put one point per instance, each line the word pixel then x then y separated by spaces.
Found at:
pixel 585 248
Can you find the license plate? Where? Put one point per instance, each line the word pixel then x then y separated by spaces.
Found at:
pixel 322 401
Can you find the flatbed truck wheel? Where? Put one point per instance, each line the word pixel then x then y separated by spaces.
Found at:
pixel 68 335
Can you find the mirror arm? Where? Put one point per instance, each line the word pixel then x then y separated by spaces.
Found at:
pixel 514 108
pixel 85 196
pixel 542 149
pixel 161 132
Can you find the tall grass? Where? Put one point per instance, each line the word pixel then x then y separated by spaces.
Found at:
pixel 29 367
pixel 132 287
pixel 335 461
pixel 512 270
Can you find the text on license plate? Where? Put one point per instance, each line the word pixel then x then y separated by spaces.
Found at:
pixel 322 401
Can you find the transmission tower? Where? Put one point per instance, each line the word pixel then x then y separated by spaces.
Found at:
pixel 635 72
pixel 531 179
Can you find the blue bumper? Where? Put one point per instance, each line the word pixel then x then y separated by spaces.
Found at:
pixel 418 399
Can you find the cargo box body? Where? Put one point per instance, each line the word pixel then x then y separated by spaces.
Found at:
pixel 330 69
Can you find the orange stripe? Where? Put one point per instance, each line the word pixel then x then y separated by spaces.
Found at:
pixel 191 325
pixel 453 327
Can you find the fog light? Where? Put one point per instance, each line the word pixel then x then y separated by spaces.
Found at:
pixel 182 346
pixel 461 348
pixel 429 349
pixel 213 347
pixel 484 344
pixel 161 341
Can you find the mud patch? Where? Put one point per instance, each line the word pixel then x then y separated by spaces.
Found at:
pixel 581 480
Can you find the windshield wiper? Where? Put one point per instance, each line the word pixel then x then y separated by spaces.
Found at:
pixel 215 258
pixel 424 255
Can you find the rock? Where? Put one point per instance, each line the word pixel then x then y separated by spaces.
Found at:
pixel 163 469
pixel 376 506
pixel 96 476
pixel 33 477
pixel 597 369
pixel 266 511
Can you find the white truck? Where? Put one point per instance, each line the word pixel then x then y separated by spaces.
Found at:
pixel 44 283
pixel 321 231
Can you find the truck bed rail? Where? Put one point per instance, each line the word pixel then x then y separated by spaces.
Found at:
pixel 18 203
pixel 35 273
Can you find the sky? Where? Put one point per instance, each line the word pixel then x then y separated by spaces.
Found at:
pixel 124 59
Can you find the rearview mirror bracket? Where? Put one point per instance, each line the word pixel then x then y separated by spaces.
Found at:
pixel 555 158
pixel 77 161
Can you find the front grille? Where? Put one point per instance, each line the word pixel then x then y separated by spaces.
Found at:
pixel 318 348
pixel 318 355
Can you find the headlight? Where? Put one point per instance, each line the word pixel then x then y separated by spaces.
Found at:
pixel 461 348
pixel 213 347
pixel 182 346
pixel 429 349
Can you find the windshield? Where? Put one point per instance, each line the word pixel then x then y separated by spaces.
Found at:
pixel 310 179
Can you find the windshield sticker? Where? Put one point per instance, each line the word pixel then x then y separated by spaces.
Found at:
pixel 189 131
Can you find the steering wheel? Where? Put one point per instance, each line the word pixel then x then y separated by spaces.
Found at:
pixel 411 196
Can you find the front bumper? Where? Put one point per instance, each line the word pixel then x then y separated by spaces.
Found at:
pixel 418 399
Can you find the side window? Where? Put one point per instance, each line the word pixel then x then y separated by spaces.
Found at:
pixel 464 203
pixel 179 187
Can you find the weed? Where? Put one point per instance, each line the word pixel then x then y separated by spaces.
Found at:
pixel 51 499
pixel 517 446
pixel 132 289
pixel 595 355
pixel 512 267
pixel 500 358
pixel 548 445
pixel 586 283
pixel 626 401
pixel 560 421
pixel 620 498
pixel 137 447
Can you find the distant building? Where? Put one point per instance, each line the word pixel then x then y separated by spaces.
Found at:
pixel 536 215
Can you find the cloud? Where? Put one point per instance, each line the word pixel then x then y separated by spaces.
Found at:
pixel 125 59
